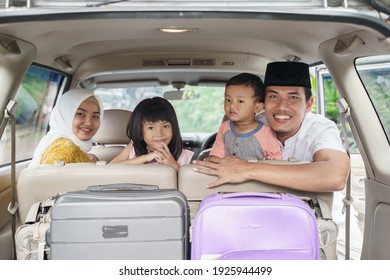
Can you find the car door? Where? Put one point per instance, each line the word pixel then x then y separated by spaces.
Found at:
pixel 34 99
pixel 327 96
pixel 374 72
pixel 358 63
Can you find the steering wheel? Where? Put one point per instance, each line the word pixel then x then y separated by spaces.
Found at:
pixel 208 142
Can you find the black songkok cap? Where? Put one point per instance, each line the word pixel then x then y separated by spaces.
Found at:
pixel 287 73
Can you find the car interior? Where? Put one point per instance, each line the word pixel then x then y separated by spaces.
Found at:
pixel 185 51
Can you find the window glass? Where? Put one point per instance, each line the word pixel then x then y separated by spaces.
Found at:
pixel 375 75
pixel 198 108
pixel 326 104
pixel 35 99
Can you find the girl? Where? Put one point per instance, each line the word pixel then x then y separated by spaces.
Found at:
pixel 154 136
pixel 73 122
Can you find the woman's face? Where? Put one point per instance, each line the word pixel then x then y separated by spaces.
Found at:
pixel 86 121
pixel 154 133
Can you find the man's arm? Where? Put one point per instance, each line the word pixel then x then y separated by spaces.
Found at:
pixel 328 172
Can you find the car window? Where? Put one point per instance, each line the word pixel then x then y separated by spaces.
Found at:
pixel 326 103
pixel 375 75
pixel 199 108
pixel 35 99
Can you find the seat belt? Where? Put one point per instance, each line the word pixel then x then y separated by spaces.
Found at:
pixel 345 114
pixel 13 205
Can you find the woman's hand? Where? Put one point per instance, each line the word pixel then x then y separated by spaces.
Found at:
pixel 93 158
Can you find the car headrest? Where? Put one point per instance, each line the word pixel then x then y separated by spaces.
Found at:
pixel 38 183
pixel 113 127
pixel 194 186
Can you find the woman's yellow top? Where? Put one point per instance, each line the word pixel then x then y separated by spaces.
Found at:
pixel 64 150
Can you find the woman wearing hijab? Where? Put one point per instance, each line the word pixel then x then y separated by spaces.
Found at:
pixel 73 122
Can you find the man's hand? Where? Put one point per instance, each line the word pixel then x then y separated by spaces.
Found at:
pixel 228 169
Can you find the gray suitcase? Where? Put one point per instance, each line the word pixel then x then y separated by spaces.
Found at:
pixel 120 221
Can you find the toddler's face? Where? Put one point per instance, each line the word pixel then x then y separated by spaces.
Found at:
pixel 86 120
pixel 154 133
pixel 240 103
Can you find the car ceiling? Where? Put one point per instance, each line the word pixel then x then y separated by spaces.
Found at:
pixel 113 47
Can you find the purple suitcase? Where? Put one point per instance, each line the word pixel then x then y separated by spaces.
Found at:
pixel 254 226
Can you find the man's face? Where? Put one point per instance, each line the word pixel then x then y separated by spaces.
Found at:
pixel 285 108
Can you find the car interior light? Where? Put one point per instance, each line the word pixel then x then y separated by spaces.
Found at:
pixel 173 29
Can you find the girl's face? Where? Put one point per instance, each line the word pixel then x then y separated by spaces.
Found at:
pixel 154 133
pixel 86 120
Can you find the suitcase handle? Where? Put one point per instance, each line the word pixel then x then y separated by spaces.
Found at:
pixel 244 255
pixel 122 187
pixel 251 194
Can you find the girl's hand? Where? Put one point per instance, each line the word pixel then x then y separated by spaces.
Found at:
pixel 165 157
pixel 150 157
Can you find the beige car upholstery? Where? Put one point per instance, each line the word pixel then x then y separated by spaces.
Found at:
pixel 194 187
pixel 111 137
pixel 37 184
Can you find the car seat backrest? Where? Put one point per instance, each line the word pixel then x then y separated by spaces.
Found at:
pixel 208 142
pixel 111 137
pixel 194 187
pixel 37 184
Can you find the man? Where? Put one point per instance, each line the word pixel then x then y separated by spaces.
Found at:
pixel 303 135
